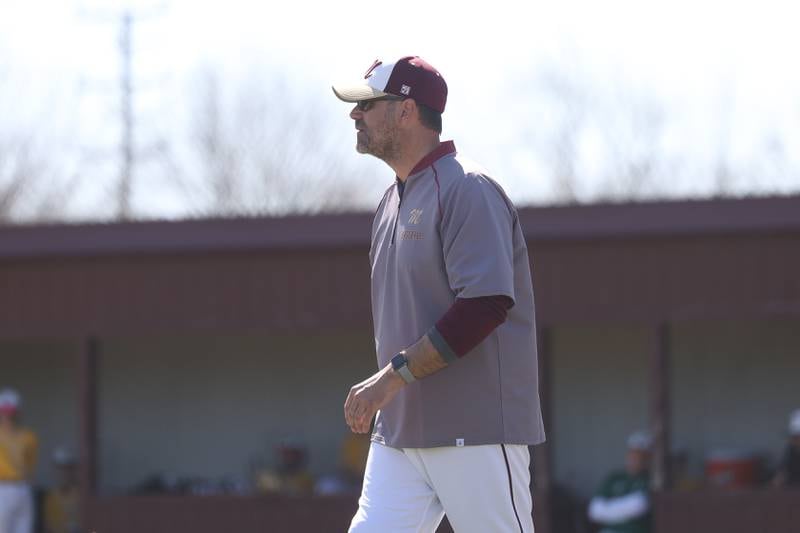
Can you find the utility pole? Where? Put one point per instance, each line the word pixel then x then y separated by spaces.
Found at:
pixel 126 107
pixel 126 151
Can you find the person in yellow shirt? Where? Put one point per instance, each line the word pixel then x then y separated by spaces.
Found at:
pixel 352 462
pixel 18 448
pixel 61 503
pixel 290 476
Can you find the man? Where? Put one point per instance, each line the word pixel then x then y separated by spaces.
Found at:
pixel 788 474
pixel 18 447
pixel 622 504
pixel 456 396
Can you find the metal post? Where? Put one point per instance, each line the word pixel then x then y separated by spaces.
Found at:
pixel 542 457
pixel 659 407
pixel 87 402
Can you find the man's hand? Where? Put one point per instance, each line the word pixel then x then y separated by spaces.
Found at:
pixel 367 397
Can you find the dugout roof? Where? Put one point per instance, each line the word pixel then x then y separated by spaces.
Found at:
pixel 651 262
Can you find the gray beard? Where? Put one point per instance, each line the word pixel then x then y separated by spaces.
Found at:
pixel 388 148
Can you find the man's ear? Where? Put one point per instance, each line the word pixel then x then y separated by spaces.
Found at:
pixel 408 108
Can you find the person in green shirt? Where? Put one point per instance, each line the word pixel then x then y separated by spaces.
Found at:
pixel 622 502
pixel 788 474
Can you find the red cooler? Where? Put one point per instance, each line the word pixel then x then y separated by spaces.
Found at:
pixel 731 469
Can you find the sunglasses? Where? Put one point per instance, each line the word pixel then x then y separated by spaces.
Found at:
pixel 366 105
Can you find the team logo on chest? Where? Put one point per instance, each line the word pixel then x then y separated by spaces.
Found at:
pixel 415 216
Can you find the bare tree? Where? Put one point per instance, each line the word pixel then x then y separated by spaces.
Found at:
pixel 36 180
pixel 602 141
pixel 217 152
pixel 560 136
pixel 30 190
pixel 17 173
pixel 605 138
pixel 635 147
pixel 264 149
pixel 23 165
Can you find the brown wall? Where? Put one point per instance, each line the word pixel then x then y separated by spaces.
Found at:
pixel 216 514
pixel 624 263
pixel 148 293
pixel 667 278
pixel 603 280
pixel 742 511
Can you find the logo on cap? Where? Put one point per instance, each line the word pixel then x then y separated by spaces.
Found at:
pixel 405 89
pixel 375 65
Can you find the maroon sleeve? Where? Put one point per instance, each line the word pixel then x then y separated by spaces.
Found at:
pixel 467 323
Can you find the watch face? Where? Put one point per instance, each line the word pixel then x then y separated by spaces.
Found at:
pixel 398 361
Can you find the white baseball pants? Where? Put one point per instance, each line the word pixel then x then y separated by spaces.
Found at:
pixel 16 508
pixel 480 488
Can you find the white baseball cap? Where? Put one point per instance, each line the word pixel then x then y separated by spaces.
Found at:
pixel 794 423
pixel 63 456
pixel 640 440
pixel 9 400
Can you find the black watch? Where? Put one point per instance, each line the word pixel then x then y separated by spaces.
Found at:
pixel 400 365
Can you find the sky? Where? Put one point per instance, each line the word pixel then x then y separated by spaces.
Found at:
pixel 724 72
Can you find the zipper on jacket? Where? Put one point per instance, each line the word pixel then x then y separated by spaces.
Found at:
pixel 401 186
pixel 396 216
